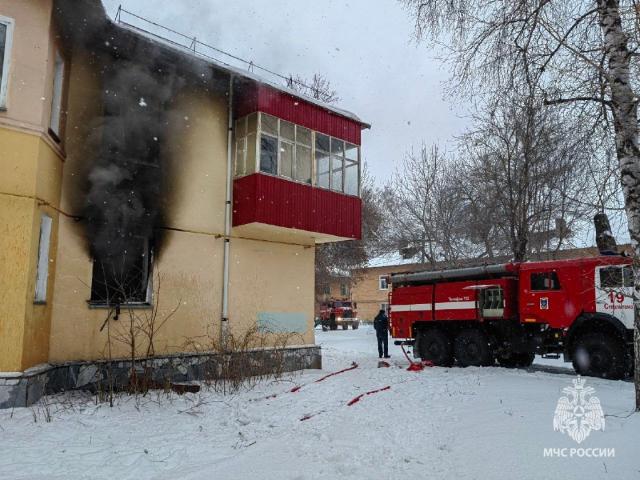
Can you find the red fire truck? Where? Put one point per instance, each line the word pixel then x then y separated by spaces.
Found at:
pixel 581 308
pixel 337 313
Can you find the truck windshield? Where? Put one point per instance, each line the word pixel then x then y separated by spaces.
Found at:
pixel 342 305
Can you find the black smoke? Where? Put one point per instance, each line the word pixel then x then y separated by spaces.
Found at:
pixel 125 189
pixel 124 204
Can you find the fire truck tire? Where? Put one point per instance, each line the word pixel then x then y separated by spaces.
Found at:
pixel 435 346
pixel 599 355
pixel 471 348
pixel 345 326
pixel 355 326
pixel 517 360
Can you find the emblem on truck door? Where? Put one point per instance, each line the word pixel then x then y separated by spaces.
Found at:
pixel 544 303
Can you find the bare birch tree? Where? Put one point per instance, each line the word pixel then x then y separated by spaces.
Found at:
pixel 580 54
pixel 522 177
pixel 424 209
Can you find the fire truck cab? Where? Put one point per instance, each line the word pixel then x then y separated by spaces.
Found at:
pixel 339 313
pixel 581 308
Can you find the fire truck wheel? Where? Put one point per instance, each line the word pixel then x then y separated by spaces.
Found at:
pixel 517 360
pixel 598 355
pixel 354 326
pixel 435 346
pixel 345 326
pixel 471 348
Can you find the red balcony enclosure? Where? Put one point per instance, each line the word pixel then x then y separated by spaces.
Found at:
pixel 261 200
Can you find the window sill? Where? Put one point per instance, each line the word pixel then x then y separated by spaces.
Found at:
pixel 123 306
pixel 54 136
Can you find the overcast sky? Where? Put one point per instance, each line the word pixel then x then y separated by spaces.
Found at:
pixel 364 47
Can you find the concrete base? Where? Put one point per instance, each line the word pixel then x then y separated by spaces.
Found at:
pixel 21 389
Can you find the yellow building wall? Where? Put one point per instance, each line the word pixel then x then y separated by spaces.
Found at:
pixel 29 98
pixel 188 269
pixel 29 186
pixel 187 281
pixel 16 214
pixel 31 163
pixel 273 278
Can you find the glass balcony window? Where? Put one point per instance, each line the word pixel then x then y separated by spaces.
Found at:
pixel 267 144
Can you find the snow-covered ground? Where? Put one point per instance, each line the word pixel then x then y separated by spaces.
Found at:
pixel 438 423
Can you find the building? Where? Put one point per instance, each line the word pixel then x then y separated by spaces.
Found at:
pixel 370 288
pixel 130 162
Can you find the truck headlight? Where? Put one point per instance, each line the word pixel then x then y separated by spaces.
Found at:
pixel 338 319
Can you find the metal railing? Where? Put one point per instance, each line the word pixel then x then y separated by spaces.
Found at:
pixel 203 49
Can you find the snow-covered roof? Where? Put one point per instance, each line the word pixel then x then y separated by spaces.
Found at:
pixel 238 72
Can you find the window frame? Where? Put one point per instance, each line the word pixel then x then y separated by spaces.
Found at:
pixel 345 291
pixel 386 282
pixel 9 23
pixel 42 265
pixel 57 96
pixel 147 274
pixel 245 151
pixel 547 274
pixel 622 270
pixel 297 144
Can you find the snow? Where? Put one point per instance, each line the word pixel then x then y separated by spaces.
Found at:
pixel 438 423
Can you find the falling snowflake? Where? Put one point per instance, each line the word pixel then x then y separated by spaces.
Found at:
pixel 142 103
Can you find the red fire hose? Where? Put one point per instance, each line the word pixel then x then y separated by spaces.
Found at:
pixel 415 366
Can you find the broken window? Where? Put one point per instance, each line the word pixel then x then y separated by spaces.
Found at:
pixel 6 38
pixel 120 279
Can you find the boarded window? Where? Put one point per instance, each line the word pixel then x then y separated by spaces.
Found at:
pixel 56 98
pixel 42 274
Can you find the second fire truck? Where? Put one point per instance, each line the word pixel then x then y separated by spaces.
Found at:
pixel 581 309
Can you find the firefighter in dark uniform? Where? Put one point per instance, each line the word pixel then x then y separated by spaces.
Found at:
pixel 381 324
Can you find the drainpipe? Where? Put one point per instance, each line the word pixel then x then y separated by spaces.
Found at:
pixel 224 324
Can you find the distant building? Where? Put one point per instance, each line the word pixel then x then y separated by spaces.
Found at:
pixel 119 150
